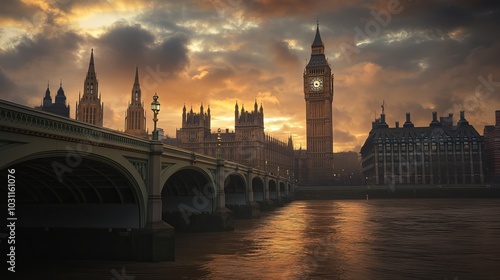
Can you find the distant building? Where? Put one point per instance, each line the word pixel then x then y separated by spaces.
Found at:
pixel 247 145
pixel 59 106
pixel 492 150
pixel 90 108
pixel 135 117
pixel 347 169
pixel 441 153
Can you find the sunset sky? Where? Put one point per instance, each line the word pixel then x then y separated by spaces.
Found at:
pixel 416 56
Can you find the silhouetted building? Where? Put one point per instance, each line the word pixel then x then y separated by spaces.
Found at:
pixel 492 150
pixel 90 109
pixel 438 154
pixel 317 167
pixel 347 169
pixel 247 145
pixel 59 107
pixel 135 117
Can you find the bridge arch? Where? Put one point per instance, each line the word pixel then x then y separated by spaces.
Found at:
pixel 93 191
pixel 188 188
pixel 258 188
pixel 235 189
pixel 273 189
pixel 282 189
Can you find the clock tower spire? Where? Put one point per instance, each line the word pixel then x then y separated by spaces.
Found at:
pixel 318 94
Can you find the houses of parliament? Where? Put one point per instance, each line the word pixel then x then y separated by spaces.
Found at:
pixel 248 144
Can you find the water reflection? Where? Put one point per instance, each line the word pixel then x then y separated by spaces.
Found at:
pixel 359 239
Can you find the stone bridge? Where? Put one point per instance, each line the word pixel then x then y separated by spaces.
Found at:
pixel 75 177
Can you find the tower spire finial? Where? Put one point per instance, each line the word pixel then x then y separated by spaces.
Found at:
pixel 91 63
pixel 317 38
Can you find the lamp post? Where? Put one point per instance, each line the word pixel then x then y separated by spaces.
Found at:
pixel 219 139
pixel 155 107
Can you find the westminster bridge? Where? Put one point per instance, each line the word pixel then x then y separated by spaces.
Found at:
pixel 76 183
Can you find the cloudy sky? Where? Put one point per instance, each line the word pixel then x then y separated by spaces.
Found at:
pixel 417 56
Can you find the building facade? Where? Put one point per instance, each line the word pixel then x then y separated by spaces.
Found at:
pixel 441 153
pixel 59 107
pixel 248 144
pixel 316 168
pixel 135 116
pixel 90 109
pixel 492 150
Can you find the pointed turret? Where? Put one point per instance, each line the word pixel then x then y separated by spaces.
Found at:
pixel 91 64
pixel 47 100
pixel 136 90
pixel 318 58
pixel 317 46
pixel 317 39
pixel 60 97
pixel 91 98
pixel 136 81
pixel 236 113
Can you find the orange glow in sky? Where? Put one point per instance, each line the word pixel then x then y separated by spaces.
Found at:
pixel 416 56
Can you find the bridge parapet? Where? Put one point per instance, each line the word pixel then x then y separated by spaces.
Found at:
pixel 22 119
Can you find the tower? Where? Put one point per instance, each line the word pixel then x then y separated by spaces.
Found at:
pixel 135 118
pixel 318 93
pixel 90 109
pixel 47 100
pixel 59 107
pixel 249 134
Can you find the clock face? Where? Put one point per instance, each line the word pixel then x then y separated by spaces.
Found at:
pixel 316 84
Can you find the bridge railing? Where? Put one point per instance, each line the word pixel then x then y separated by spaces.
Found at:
pixel 18 118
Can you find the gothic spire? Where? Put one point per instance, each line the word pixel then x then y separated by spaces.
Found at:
pixel 91 63
pixel 317 39
pixel 136 82
pixel 136 89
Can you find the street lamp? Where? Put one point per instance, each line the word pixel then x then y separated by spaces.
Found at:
pixel 155 107
pixel 219 139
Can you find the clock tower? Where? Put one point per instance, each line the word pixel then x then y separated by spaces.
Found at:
pixel 318 93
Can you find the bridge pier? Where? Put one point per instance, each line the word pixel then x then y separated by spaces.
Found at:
pixel 253 208
pixel 224 215
pixel 268 203
pixel 157 238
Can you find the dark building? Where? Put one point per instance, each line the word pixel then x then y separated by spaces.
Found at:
pixel 347 169
pixel 247 145
pixel 492 150
pixel 441 153
pixel 90 108
pixel 59 107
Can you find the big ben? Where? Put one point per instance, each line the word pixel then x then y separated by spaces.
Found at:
pixel 318 93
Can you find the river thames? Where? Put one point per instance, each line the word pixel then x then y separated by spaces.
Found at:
pixel 328 239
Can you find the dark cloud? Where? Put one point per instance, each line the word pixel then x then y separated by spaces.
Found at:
pixel 342 137
pixel 17 11
pixel 9 88
pixel 427 58
pixel 283 56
